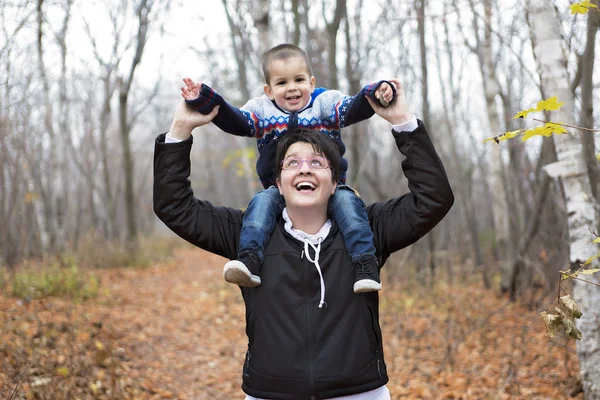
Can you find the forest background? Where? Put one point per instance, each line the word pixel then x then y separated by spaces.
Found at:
pixel 86 86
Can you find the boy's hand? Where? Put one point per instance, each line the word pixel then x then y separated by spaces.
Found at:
pixel 398 113
pixel 384 94
pixel 191 90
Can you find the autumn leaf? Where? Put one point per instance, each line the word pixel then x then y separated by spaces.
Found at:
pixel 556 127
pixel 590 271
pixel 589 260
pixel 551 321
pixel 598 157
pixel 582 7
pixel 571 305
pixel 538 131
pixel 550 104
pixel 524 113
pixel 504 136
pixel 571 329
pixel 597 240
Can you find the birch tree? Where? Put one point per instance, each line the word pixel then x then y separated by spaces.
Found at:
pixel 571 170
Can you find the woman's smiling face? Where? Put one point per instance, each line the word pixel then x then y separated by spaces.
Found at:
pixel 305 188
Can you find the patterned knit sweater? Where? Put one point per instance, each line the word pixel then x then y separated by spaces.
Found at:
pixel 328 111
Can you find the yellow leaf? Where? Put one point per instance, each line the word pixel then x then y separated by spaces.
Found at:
pixel 62 371
pixel 539 131
pixel 99 345
pixel 598 157
pixel 550 104
pixel 589 260
pixel 590 271
pixel 524 113
pixel 597 240
pixel 556 127
pixel 504 136
pixel 582 7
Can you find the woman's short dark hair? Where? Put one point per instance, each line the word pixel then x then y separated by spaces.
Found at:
pixel 320 142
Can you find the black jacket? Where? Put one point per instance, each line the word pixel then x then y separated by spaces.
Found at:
pixel 295 349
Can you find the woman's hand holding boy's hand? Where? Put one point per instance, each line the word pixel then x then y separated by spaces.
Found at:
pixel 186 118
pixel 398 112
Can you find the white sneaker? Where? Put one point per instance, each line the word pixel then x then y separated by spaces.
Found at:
pixel 237 273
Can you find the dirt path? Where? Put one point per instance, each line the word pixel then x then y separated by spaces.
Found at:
pixel 182 327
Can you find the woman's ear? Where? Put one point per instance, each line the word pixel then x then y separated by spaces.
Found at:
pixel 278 182
pixel 334 187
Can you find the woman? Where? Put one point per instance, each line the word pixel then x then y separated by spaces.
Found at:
pixel 309 335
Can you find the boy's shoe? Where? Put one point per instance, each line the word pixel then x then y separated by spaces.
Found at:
pixel 366 271
pixel 239 272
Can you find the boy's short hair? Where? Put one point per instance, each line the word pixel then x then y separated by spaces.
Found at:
pixel 283 52
pixel 321 143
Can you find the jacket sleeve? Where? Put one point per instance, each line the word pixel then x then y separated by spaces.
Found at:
pixel 399 222
pixel 215 229
pixel 353 109
pixel 230 119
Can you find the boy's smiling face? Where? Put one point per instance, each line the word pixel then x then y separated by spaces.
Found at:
pixel 290 84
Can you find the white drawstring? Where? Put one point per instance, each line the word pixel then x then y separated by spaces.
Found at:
pixel 317 250
pixel 310 240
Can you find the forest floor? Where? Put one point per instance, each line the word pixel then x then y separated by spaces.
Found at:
pixel 176 331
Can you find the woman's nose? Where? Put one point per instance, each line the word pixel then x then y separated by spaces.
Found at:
pixel 304 167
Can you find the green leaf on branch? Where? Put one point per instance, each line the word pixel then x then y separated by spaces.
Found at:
pixel 582 7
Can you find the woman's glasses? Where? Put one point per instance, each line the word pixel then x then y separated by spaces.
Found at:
pixel 313 163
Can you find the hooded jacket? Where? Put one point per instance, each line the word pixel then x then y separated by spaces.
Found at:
pixel 297 350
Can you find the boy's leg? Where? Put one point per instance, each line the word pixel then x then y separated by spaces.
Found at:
pixel 349 212
pixel 257 224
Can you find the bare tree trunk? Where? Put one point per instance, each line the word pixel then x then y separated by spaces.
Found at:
pixel 587 102
pixel 143 10
pixel 572 171
pixel 260 15
pixel 44 210
pixel 464 170
pixel 332 31
pixel 297 21
pixel 241 50
pixel 63 201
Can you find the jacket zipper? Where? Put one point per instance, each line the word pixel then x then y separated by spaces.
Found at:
pixel 378 367
pixel 311 367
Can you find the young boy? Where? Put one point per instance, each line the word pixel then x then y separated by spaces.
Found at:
pixel 291 101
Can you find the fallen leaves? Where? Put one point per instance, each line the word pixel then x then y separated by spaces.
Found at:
pixel 176 331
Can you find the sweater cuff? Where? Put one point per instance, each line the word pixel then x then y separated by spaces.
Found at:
pixel 372 89
pixel 206 100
